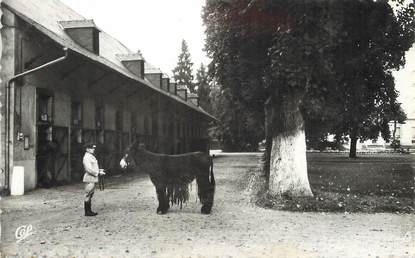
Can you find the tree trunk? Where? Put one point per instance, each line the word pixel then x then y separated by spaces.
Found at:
pixel 288 166
pixel 268 139
pixel 353 143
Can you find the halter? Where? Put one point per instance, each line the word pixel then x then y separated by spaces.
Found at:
pixel 128 158
pixel 127 155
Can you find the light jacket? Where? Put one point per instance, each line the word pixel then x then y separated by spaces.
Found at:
pixel 91 168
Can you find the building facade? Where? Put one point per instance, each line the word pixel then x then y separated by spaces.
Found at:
pixel 64 83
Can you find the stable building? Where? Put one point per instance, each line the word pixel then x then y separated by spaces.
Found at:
pixel 65 82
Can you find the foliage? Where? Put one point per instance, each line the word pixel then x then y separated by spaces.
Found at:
pixel 337 55
pixel 372 43
pixel 342 58
pixel 237 130
pixel 237 58
pixel 203 88
pixel 183 72
pixel 375 43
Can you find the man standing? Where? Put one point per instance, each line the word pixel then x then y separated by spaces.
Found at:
pixel 92 172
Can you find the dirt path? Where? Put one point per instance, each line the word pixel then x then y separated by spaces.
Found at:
pixel 127 225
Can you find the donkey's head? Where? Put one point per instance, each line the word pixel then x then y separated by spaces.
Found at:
pixel 130 154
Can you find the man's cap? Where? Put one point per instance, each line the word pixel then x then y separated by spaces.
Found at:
pixel 90 146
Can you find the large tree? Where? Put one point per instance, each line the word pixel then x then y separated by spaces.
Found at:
pixel 293 51
pixel 301 52
pixel 271 43
pixel 373 43
pixel 183 72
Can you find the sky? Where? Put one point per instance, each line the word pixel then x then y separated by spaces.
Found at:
pixel 405 84
pixel 155 27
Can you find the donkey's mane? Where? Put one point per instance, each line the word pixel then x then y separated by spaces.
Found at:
pixel 142 148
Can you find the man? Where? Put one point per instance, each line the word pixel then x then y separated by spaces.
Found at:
pixel 92 172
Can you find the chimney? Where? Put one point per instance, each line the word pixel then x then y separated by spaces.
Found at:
pixel 84 33
pixel 134 62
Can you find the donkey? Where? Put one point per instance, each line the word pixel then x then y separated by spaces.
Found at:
pixel 172 174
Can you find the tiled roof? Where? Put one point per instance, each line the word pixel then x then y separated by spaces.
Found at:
pixel 46 15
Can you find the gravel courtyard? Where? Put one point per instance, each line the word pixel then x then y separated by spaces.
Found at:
pixel 127 225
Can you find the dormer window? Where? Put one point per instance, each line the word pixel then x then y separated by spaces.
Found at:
pixel 182 91
pixel 194 99
pixel 173 88
pixel 134 62
pixel 165 82
pixel 153 74
pixel 84 33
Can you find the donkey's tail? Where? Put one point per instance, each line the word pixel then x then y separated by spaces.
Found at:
pixel 212 177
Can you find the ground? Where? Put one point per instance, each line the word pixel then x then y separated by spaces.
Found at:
pixel 127 224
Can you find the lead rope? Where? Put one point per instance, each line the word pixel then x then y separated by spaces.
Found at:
pixel 101 182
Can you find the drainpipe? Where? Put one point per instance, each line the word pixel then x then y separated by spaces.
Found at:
pixel 7 119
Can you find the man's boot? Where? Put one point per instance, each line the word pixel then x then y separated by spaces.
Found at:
pixel 88 211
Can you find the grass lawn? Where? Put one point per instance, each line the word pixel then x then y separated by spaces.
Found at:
pixel 373 183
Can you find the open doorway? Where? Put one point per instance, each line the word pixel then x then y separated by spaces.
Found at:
pixel 45 146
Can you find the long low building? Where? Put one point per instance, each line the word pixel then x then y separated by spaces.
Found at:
pixel 65 82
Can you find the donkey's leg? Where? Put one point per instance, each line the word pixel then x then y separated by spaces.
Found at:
pixel 166 205
pixel 161 194
pixel 162 198
pixel 205 193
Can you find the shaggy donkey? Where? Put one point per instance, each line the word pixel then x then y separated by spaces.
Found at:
pixel 172 174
